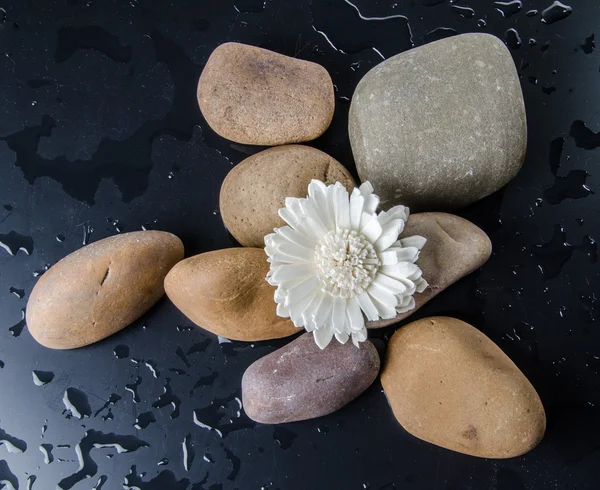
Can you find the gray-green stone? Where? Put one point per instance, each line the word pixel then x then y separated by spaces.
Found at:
pixel 440 126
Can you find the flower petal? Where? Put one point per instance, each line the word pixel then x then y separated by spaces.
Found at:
pixel 366 189
pixel 296 251
pixel 356 320
pixel 410 304
pixel 388 257
pixel 422 285
pixel 291 273
pixel 383 295
pixel 414 241
pixel 341 206
pixel 387 282
pixel 299 291
pixel 385 311
pixel 338 315
pixel 367 306
pixel 372 229
pixel 323 336
pixel 295 236
pixel 309 313
pixel 359 336
pixel 297 308
pixel 323 310
pixel 356 208
pixel 283 311
pixel 399 212
pixel 342 337
pixel 389 235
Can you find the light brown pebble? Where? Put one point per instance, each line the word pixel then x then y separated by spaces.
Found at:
pixel 101 288
pixel 450 385
pixel 255 189
pixel 225 292
pixel 455 247
pixel 255 96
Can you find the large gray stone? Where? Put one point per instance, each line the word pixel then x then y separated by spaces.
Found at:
pixel 440 126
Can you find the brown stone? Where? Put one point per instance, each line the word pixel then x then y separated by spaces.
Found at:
pixel 450 385
pixel 255 189
pixel 258 97
pixel 455 247
pixel 101 288
pixel 225 292
pixel 301 381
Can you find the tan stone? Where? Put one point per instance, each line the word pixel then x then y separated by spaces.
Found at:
pixel 255 189
pixel 225 292
pixel 450 385
pixel 455 247
pixel 258 97
pixel 101 288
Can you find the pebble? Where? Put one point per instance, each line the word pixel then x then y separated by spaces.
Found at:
pixel 255 96
pixel 255 189
pixel 450 385
pixel 301 381
pixel 455 247
pixel 225 292
pixel 440 126
pixel 101 288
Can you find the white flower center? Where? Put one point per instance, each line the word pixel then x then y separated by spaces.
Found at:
pixel 346 263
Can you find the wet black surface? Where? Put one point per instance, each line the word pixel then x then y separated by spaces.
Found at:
pixel 100 134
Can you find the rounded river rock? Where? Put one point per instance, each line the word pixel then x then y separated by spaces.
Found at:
pixel 225 292
pixel 301 381
pixel 258 97
pixel 101 288
pixel 255 189
pixel 440 126
pixel 450 385
pixel 455 247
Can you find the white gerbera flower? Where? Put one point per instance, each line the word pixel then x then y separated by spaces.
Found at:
pixel 338 262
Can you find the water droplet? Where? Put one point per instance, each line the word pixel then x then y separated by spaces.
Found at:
pixel 19 293
pixel 572 186
pixel 30 481
pixel 12 444
pixel 46 450
pixel 112 400
pixel 121 352
pixel 143 420
pixel 41 378
pixel 589 44
pixel 188 453
pixel 182 356
pixel 17 329
pixel 584 137
pixel 164 480
pixel 513 40
pixel 60 238
pixel 284 437
pixel 132 388
pixel 555 12
pixel 168 398
pixel 87 231
pixel 481 23
pixel 115 222
pixel 199 347
pixel 8 479
pixel 531 41
pixel 355 66
pixel 2 15
pixel 1 364
pixel 170 175
pixel 208 458
pixel 464 12
pixel 531 13
pixel 13 243
pixel 101 481
pixel 151 365
pixel 548 90
pixel 34 102
pixel 509 8
pixel 183 328
pixel 579 221
pixel 8 207
pixel 163 462
pixel 439 33
pixel 39 272
pixel 533 80
pixel 76 403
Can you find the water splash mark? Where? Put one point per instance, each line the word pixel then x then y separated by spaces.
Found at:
pixel 512 38
pixel 572 186
pixel 182 356
pixel 557 146
pixel 76 404
pixel 284 437
pixel 7 477
pixel 223 416
pixel 188 452
pixel 12 444
pixel 101 481
pixel 584 137
pixel 464 12
pixel 199 347
pixel 19 293
pixel 112 400
pixel 168 398
pixel 71 39
pixel 236 464
pixel 121 352
pixel 143 420
pixel 589 44
pixel 204 381
pixel 555 12
pixel 17 329
pixel 97 440
pixel 393 32
pixel 46 450
pixel 41 378
pixel 164 480
pixel 510 8
pixel 127 162
pixel 14 243
pixel 132 388
pixel 558 251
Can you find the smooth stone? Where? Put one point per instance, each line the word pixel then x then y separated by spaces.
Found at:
pixel 450 385
pixel 255 96
pixel 455 247
pixel 225 292
pixel 101 288
pixel 301 381
pixel 255 189
pixel 440 126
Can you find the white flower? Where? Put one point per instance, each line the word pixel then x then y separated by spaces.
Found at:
pixel 338 262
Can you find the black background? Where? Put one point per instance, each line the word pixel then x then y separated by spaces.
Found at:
pixel 100 133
